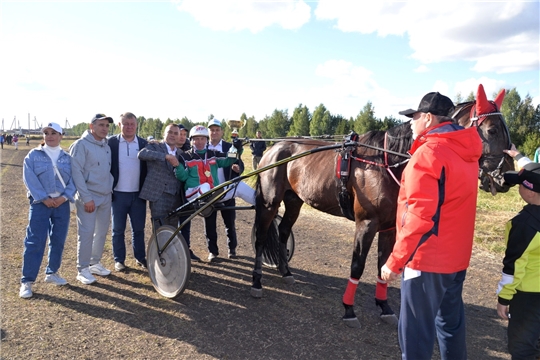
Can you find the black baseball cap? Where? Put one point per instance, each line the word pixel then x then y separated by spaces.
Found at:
pixel 528 176
pixel 101 117
pixel 434 103
pixel 182 127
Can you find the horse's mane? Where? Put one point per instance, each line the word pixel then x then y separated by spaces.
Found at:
pixel 459 109
pixel 398 139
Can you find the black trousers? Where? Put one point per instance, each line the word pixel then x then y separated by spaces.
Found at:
pixel 524 326
pixel 210 225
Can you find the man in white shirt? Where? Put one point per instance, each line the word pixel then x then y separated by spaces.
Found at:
pixel 129 173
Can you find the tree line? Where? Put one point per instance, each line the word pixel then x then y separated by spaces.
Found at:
pixel 522 118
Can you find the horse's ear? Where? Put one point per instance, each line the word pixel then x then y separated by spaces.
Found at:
pixel 483 106
pixel 500 97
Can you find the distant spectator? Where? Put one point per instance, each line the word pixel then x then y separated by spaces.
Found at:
pixel 16 141
pixel 47 176
pixel 27 140
pixel 257 150
pixel 537 155
pixel 2 139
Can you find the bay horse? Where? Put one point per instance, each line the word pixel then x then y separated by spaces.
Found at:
pixel 485 115
pixel 372 188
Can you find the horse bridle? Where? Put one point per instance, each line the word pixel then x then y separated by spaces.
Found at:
pixel 476 121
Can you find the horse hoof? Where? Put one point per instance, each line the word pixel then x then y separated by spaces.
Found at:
pixel 289 280
pixel 352 323
pixel 390 319
pixel 256 293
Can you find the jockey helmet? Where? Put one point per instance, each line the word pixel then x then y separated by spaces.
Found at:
pixel 199 130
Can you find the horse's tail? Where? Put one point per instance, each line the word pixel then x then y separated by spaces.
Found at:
pixel 271 240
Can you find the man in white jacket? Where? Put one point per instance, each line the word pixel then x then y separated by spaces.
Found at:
pixel 91 172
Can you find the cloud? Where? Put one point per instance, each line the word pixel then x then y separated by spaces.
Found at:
pixel 245 14
pixel 349 88
pixel 501 37
pixel 491 86
pixel 421 69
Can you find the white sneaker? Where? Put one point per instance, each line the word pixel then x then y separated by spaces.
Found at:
pixel 26 290
pixel 99 269
pixel 212 257
pixel 86 277
pixel 55 279
pixel 118 266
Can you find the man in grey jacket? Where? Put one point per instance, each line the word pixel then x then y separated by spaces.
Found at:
pixel 161 188
pixel 91 172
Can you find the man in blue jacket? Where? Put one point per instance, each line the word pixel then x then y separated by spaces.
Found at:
pixel 129 173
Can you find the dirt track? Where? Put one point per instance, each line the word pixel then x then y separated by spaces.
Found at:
pixel 122 316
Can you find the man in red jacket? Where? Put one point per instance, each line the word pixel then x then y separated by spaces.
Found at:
pixel 434 231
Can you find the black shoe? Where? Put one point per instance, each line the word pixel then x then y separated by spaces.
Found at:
pixel 193 256
pixel 141 263
pixel 232 255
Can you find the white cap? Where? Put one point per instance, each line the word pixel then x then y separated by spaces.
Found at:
pixel 198 130
pixel 215 122
pixel 53 126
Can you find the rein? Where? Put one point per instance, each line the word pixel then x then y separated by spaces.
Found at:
pixel 385 165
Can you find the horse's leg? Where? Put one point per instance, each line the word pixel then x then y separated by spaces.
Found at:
pixel 364 234
pixel 293 204
pixel 266 208
pixel 263 224
pixel 385 245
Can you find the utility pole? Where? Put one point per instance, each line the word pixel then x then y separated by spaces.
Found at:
pixel 37 127
pixel 67 126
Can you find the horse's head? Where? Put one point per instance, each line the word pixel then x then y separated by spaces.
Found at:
pixel 493 131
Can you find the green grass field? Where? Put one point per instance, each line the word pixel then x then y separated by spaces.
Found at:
pixel 491 216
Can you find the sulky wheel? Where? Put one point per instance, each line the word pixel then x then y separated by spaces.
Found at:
pixel 270 251
pixel 169 272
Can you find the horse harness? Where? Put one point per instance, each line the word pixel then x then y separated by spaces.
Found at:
pixel 343 168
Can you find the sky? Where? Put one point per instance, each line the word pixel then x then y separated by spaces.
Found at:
pixel 65 61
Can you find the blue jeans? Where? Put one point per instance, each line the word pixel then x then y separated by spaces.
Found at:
pixel 124 204
pixel 431 305
pixel 44 222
